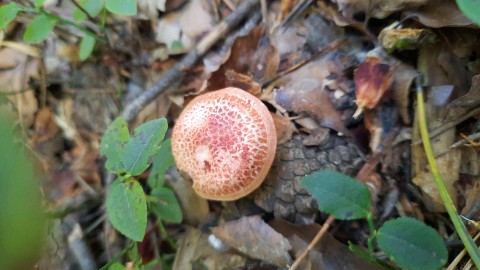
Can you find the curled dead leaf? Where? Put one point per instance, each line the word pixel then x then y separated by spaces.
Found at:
pixel 372 80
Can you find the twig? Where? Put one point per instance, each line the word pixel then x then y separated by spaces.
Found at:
pixel 312 244
pixel 330 47
pixel 176 72
pixel 296 11
pixel 453 265
pixel 472 137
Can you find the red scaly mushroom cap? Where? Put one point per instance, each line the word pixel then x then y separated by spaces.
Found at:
pixel 226 141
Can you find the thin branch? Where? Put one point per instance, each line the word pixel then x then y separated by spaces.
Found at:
pixel 176 72
pixel 314 242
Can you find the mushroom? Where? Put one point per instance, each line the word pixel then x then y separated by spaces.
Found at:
pixel 225 141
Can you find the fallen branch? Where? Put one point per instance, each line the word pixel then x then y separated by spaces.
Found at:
pixel 176 72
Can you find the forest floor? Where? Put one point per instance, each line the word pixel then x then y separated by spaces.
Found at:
pixel 340 79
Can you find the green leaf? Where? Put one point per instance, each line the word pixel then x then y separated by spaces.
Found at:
pixel 471 9
pixel 86 47
pixel 39 3
pixel 162 162
pixel 7 14
pixel 93 7
pixel 22 220
pixel 39 29
pixel 166 207
pixel 338 194
pixel 127 208
pixel 125 7
pixel 117 266
pixel 412 244
pixel 143 146
pixel 113 142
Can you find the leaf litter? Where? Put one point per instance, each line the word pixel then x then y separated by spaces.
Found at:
pixel 316 66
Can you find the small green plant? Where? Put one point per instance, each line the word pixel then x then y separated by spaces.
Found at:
pixel 408 242
pixel 44 22
pixel 129 156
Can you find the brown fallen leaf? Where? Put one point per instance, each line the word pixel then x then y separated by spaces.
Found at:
pixel 244 82
pixel 402 80
pixel 328 254
pixel 251 55
pixel 372 80
pixel 403 77
pixel 449 165
pixel 302 91
pixel 470 99
pixel 255 238
pixel 284 128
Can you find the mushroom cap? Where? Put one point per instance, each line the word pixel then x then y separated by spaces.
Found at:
pixel 226 141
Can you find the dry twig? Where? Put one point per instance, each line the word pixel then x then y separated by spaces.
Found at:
pixel 176 72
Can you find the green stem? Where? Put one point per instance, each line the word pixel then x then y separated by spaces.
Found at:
pixel 447 201
pixel 165 235
pixel 118 256
pixel 373 234
pixel 365 255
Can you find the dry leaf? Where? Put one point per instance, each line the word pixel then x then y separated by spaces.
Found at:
pixel 284 128
pixel 252 56
pixel 402 81
pixel 449 166
pixel 302 91
pixel 472 98
pixel 372 80
pixel 253 237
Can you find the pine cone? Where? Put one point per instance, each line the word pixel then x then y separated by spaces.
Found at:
pixel 281 192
